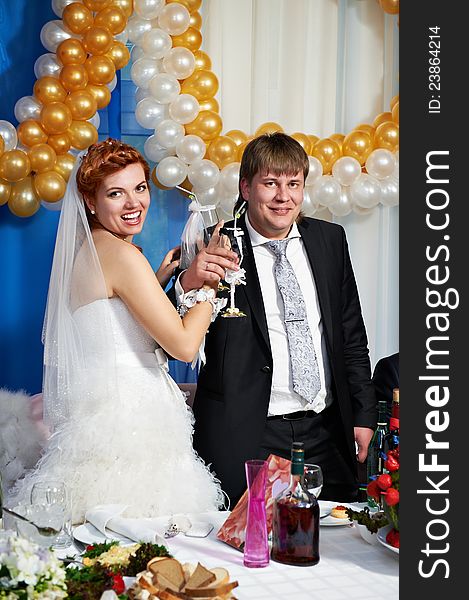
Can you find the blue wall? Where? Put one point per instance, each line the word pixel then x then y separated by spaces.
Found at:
pixel 27 245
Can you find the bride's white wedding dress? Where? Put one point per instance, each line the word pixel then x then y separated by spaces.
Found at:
pixel 127 441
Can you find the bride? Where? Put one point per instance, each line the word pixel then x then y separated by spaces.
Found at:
pixel 121 429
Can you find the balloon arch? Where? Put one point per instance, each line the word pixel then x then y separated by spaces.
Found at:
pixel 175 96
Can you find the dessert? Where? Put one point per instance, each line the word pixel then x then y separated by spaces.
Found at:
pixel 339 512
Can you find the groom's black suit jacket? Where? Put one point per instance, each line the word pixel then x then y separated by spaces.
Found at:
pixel 233 388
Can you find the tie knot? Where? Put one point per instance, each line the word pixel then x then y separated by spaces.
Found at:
pixel 278 247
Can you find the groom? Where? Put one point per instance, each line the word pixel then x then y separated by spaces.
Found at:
pixel 296 367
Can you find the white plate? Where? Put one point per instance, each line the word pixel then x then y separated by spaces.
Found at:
pixel 330 521
pixel 88 534
pixel 382 533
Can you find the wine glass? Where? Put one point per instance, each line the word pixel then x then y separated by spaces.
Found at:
pixel 313 479
pixel 233 239
pixel 52 497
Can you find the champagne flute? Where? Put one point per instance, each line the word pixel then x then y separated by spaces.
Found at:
pixel 233 238
pixel 313 479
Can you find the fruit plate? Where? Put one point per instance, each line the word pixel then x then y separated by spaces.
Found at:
pixel 382 533
pixel 328 520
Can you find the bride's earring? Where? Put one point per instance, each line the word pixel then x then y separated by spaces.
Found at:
pixel 92 212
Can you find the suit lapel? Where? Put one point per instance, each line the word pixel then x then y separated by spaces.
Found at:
pixel 315 249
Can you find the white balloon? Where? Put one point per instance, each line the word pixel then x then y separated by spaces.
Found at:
pixel 315 170
pixel 112 84
pixel 326 190
pixel 169 133
pixel 123 36
pixel 149 113
pixel 156 43
pixel 362 211
pixel 136 27
pixel 174 18
pixel 143 70
pixel 153 151
pixel 203 174
pixel 346 169
pixel 309 206
pixel 179 61
pixel 225 207
pixel 136 53
pixel 47 65
pixel 164 87
pixel 141 93
pixel 53 206
pixel 27 107
pixel 148 9
pixel 9 135
pixel 342 206
pixel 53 33
pixel 191 148
pixel 389 191
pixel 59 5
pixel 210 196
pixel 365 191
pixel 380 163
pixel 95 120
pixel 184 108
pixel 229 178
pixel 171 171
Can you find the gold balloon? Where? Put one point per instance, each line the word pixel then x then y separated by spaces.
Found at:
pixel 82 105
pixel 387 136
pixel 394 101
pixel 42 158
pixel 59 143
pixel 49 89
pixel 222 151
pixel 97 40
pixel 382 118
pixel 339 138
pixel 101 93
pixel 327 152
pixel 269 127
pixel 14 165
pixel 82 134
pixel 156 182
pixel 390 6
pixel 24 201
pixel 50 186
pixel 207 125
pixel 119 54
pixel 395 113
pixel 113 18
pixel 202 61
pixel 237 136
pixel 209 104
pixel 313 139
pixel 2 146
pixel 100 69
pixel 55 118
pixel 64 165
pixel 358 144
pixel 195 20
pixel 97 5
pixel 77 17
pixel 366 127
pixel 126 6
pixel 191 5
pixel 71 52
pixel 5 191
pixel 241 148
pixel 74 77
pixel 30 132
pixel 303 140
pixel 191 38
pixel 201 84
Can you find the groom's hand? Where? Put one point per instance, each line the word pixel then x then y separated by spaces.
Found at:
pixel 210 264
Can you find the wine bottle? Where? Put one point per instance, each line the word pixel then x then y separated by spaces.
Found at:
pixel 376 449
pixel 392 438
pixel 295 518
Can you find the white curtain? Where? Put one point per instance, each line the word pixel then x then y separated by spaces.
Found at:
pixel 318 67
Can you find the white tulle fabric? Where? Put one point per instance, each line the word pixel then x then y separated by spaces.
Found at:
pixel 122 431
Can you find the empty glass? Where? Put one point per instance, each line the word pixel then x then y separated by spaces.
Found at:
pixel 256 545
pixel 313 479
pixel 50 502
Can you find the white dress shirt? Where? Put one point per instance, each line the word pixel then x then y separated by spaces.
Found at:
pixel 283 399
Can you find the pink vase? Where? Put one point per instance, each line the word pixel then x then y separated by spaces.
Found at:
pixel 256 546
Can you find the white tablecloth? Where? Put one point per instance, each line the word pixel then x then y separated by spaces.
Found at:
pixel 349 567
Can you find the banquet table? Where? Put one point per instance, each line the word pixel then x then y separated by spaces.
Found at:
pixel 349 567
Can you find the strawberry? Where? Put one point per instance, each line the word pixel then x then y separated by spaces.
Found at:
pixel 392 538
pixel 118 584
pixel 391 463
pixel 373 490
pixel 391 496
pixel 384 481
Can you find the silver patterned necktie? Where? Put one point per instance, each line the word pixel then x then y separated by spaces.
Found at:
pixel 304 363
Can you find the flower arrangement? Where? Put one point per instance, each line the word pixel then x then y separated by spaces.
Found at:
pixel 386 486
pixel 29 571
